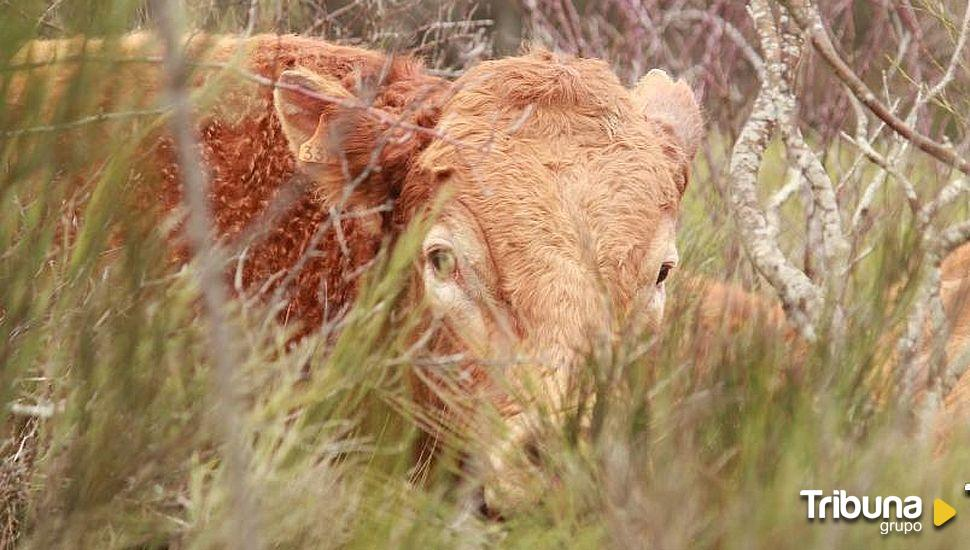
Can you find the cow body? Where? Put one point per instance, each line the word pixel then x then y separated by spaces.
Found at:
pixel 561 189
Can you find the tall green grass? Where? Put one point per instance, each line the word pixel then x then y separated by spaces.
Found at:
pixel 109 439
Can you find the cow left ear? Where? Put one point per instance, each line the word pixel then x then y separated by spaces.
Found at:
pixel 671 104
pixel 330 139
pixel 339 139
pixel 305 103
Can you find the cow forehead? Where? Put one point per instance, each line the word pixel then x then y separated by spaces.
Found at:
pixel 542 79
pixel 600 188
pixel 606 219
pixel 540 122
pixel 539 138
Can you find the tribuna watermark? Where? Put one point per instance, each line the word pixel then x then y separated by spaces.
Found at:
pixel 895 514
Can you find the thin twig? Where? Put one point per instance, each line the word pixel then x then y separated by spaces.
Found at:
pixel 956 59
pixel 93 119
pixel 809 19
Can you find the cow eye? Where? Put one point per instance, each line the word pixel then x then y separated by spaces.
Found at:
pixel 665 270
pixel 443 262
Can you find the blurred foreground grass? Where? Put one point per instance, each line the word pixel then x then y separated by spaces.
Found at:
pixel 108 439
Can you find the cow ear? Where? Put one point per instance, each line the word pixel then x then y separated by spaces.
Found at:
pixel 304 102
pixel 338 139
pixel 672 105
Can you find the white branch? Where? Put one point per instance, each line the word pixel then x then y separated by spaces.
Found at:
pixel 799 296
pixel 780 74
pixel 793 182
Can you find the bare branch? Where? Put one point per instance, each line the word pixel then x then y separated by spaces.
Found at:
pixel 956 59
pixel 251 17
pixel 730 30
pixel 916 357
pixel 793 182
pixel 799 296
pixel 809 19
pixel 953 237
pixel 84 121
pixel 221 339
pixel 947 195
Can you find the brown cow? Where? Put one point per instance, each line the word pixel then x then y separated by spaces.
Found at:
pixel 562 187
pixel 722 309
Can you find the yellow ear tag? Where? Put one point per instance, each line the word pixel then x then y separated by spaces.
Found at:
pixel 310 153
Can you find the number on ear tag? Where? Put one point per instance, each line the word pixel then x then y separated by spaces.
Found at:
pixel 309 153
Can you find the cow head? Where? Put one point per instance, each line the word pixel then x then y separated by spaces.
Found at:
pixel 562 187
pixel 565 188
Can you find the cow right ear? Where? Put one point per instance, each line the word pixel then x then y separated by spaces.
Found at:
pixel 305 102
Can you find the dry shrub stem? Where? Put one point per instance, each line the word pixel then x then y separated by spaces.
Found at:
pixel 814 304
pixel 228 412
pixel 808 18
pixel 798 294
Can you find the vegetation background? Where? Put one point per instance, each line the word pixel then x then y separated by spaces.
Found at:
pixel 706 438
